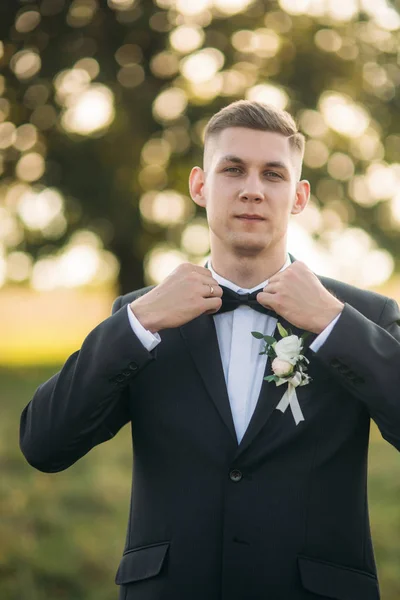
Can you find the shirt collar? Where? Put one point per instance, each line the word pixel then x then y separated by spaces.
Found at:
pixel 229 284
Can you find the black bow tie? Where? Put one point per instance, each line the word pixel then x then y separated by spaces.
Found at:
pixel 231 300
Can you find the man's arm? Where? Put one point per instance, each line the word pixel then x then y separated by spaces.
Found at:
pixel 365 357
pixel 88 401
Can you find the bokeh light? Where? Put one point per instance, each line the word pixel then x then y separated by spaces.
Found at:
pixel 232 7
pixel 269 94
pixel 27 21
pixel 161 261
pixel 201 66
pixel 7 134
pixel 186 39
pixel 25 137
pixel 351 151
pixel 165 208
pixel 38 209
pixel 81 262
pixel 343 115
pixel 89 111
pixel 195 238
pixel 170 104
pixel 25 64
pixel 30 167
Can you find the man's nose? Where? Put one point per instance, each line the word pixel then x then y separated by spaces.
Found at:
pixel 252 189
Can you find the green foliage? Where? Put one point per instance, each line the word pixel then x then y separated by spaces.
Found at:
pixel 257 335
pixel 62 534
pixel 283 332
pixel 271 378
pixel 350 55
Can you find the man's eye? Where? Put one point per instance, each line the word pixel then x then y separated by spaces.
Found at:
pixel 273 174
pixel 232 170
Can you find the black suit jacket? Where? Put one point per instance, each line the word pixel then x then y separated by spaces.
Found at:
pixel 281 516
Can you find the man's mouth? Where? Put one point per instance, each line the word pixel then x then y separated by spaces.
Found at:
pixel 251 217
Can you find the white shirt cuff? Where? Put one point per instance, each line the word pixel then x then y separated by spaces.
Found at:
pixel 148 339
pixel 323 336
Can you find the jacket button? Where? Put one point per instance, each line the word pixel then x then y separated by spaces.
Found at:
pixel 133 366
pixel 235 475
pixel 120 378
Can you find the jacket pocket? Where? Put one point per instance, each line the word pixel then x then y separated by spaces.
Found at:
pixel 337 581
pixel 141 563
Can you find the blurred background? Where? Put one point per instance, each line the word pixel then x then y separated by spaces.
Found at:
pixel 102 112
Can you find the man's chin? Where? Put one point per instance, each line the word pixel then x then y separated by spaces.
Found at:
pixel 246 248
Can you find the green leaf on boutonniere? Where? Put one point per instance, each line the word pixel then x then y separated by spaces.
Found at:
pixel 257 335
pixel 269 339
pixel 282 330
pixel 305 335
pixel 271 378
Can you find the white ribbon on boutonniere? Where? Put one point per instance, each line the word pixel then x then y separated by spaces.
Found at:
pixel 288 365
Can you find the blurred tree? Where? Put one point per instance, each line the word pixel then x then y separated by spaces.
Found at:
pixel 103 105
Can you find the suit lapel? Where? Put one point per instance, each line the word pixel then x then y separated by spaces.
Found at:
pixel 270 395
pixel 201 339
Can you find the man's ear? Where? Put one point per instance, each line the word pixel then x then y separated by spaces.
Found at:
pixel 302 197
pixel 196 186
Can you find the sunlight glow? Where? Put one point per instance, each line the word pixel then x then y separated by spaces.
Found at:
pixel 202 65
pixel 82 262
pixel 26 137
pixel 161 261
pixel 90 111
pixel 195 238
pixel 383 180
pixel 186 39
pixel 19 266
pixel 269 94
pixel 192 7
pixel 232 7
pixel 343 115
pixel 30 167
pixel 170 104
pixel 165 208
pixel 348 254
pixel 37 210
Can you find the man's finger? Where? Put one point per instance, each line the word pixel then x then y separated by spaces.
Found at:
pixel 201 270
pixel 216 289
pixel 271 288
pixel 212 305
pixel 266 299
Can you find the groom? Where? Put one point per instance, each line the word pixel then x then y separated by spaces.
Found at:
pixel 231 498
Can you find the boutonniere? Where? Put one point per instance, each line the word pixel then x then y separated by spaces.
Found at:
pixel 289 365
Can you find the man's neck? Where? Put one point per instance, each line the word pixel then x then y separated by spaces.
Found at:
pixel 247 272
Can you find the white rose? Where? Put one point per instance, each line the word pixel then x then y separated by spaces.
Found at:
pixel 289 348
pixel 281 368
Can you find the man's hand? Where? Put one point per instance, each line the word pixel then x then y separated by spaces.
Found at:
pixel 299 297
pixel 184 295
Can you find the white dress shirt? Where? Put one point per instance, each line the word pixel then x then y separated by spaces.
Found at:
pixel 243 365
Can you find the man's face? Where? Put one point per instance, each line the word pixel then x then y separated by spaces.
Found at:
pixel 249 188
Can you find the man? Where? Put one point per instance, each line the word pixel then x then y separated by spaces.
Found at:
pixel 233 499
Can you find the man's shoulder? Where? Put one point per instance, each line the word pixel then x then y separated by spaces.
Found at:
pixel 130 297
pixel 366 301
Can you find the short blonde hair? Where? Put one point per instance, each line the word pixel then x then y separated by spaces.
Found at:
pixel 256 115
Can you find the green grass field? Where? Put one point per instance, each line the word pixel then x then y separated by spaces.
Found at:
pixel 61 535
